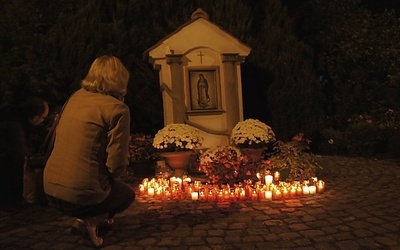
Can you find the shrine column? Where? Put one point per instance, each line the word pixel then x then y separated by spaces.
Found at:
pixel 233 100
pixel 177 88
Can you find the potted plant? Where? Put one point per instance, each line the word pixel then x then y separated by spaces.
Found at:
pixel 176 142
pixel 252 136
pixel 293 159
pixel 226 165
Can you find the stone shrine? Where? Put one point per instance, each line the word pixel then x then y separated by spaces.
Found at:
pixel 200 77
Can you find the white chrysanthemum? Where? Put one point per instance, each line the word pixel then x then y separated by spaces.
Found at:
pixel 252 133
pixel 177 137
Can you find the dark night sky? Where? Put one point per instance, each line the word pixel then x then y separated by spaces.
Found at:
pixel 381 5
pixel 376 6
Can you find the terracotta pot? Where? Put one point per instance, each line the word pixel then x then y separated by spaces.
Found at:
pixel 179 161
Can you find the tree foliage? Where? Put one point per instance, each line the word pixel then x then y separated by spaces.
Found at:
pixel 358 54
pixel 331 59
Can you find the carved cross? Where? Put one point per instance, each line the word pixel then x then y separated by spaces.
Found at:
pixel 201 57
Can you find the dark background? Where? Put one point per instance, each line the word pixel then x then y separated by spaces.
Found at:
pixel 328 68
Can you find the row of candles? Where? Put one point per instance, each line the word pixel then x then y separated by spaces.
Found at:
pixel 272 188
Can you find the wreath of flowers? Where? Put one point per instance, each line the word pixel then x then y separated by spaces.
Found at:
pixel 226 164
pixel 252 133
pixel 177 137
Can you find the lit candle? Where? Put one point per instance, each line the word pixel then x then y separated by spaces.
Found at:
pixel 254 195
pixel 268 195
pixel 221 194
pixel 195 196
pixel 197 185
pixel 226 194
pixel 158 192
pixel 202 195
pixel 320 186
pixel 232 195
pixel 268 180
pixel 306 190
pixel 278 193
pixel 277 176
pixel 150 191
pixel 176 182
pixel 285 192
pixel 189 188
pixel 141 188
pixel 299 190
pixel 187 180
pixel 293 191
pixel 242 194
pixel 210 195
pixel 260 193
pixel 313 189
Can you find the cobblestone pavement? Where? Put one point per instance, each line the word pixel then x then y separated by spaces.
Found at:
pixel 360 209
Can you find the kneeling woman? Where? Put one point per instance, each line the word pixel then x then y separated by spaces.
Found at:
pixel 91 149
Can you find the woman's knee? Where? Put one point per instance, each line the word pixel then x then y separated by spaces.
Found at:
pixel 124 190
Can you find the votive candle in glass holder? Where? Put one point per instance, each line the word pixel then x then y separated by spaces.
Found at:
pixel 211 195
pixel 268 195
pixel 202 195
pixel 299 190
pixel 285 192
pixel 197 185
pixel 254 195
pixel 141 188
pixel 306 190
pixel 232 195
pixel 158 192
pixel 268 180
pixel 277 193
pixel 195 196
pixel 320 186
pixel 226 194
pixel 221 194
pixel 277 176
pixel 292 191
pixel 313 189
pixel 242 193
pixel 150 192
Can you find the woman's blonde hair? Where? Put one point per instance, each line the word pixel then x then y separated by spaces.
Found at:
pixel 107 75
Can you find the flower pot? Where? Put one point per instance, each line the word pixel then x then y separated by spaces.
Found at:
pixel 178 161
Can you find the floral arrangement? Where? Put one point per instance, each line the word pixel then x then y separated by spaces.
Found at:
pixel 226 164
pixel 141 148
pixel 252 133
pixel 177 137
pixel 293 159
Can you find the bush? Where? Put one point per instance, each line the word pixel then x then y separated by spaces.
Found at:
pixel 293 159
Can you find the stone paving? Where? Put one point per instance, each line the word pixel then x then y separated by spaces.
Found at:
pixel 360 209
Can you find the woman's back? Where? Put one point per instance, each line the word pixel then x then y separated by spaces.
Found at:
pixel 88 148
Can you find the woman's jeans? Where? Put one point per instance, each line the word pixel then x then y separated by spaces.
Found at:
pixel 120 198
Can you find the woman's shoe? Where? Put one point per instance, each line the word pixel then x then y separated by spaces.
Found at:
pixel 88 233
pixel 78 227
pixel 91 239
